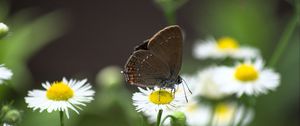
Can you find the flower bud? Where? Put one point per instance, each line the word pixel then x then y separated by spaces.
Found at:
pixel 110 76
pixel 12 117
pixel 5 108
pixel 179 119
pixel 3 30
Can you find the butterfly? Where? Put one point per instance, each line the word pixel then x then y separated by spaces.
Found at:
pixel 157 61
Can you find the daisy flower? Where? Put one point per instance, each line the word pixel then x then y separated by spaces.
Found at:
pixel 224 114
pixel 150 101
pixel 249 78
pixel 228 113
pixel 202 84
pixel 61 96
pixel 222 48
pixel 5 124
pixel 196 114
pixel 5 74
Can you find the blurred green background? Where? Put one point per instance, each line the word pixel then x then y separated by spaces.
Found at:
pixel 51 39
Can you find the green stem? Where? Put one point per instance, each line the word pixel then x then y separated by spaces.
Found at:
pixel 159 117
pixel 142 120
pixel 210 123
pixel 284 39
pixel 170 16
pixel 168 116
pixel 61 116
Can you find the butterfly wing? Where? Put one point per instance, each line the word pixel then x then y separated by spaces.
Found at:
pixel 145 69
pixel 167 45
pixel 142 46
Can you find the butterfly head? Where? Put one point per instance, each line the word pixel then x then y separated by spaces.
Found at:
pixel 178 80
pixel 171 83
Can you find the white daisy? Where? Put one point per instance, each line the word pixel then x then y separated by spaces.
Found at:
pixel 222 48
pixel 247 78
pixel 196 114
pixel 61 96
pixel 224 114
pixel 150 101
pixel 5 74
pixel 5 124
pixel 229 113
pixel 203 85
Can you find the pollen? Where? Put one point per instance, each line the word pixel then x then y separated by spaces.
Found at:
pixel 246 72
pixel 161 97
pixel 59 91
pixel 227 43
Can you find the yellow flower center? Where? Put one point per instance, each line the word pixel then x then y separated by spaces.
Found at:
pixel 246 72
pixel 59 91
pixel 161 97
pixel 227 43
pixel 223 112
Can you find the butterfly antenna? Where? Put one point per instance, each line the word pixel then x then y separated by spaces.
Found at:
pixel 187 86
pixel 186 99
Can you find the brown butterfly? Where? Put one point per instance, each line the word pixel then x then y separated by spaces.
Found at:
pixel 157 61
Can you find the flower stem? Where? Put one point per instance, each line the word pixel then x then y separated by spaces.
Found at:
pixel 61 116
pixel 142 121
pixel 159 117
pixel 286 35
pixel 210 123
pixel 170 16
